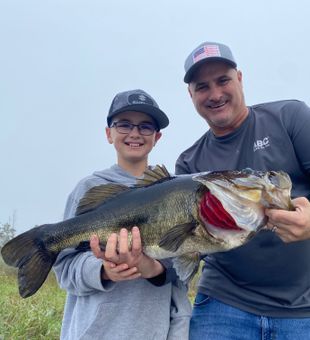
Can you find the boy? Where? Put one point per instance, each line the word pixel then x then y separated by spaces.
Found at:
pixel 123 296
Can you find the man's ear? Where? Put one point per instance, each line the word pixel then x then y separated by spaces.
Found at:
pixel 109 135
pixel 239 75
pixel 189 90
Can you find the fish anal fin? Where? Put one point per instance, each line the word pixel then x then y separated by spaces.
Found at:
pixel 173 239
pixel 83 246
pixel 98 195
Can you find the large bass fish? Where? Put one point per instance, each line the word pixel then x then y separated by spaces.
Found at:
pixel 180 217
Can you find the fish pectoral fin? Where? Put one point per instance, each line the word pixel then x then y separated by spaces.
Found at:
pixel 150 176
pixel 186 266
pixel 173 238
pixel 98 195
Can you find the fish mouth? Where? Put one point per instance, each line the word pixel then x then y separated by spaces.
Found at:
pixel 236 200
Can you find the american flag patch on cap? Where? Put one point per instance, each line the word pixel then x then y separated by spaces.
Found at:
pixel 206 52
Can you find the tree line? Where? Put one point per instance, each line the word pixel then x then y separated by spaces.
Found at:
pixel 7 232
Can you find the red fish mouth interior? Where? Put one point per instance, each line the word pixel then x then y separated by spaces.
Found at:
pixel 213 212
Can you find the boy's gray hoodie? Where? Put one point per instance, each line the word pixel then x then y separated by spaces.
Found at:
pixel 108 310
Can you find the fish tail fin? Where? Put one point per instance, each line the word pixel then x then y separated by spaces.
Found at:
pixel 34 261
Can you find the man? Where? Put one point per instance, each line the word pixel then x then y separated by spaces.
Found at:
pixel 122 296
pixel 262 289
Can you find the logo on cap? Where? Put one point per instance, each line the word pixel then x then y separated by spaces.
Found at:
pixel 140 99
pixel 206 52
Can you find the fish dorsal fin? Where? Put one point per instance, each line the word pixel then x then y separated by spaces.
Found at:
pixel 99 194
pixel 158 174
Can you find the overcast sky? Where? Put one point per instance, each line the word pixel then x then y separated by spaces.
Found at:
pixel 62 62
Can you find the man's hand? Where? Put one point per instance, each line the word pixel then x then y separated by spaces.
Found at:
pixel 122 261
pixel 291 225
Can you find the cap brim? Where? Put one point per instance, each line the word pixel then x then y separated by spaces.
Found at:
pixel 190 72
pixel 158 115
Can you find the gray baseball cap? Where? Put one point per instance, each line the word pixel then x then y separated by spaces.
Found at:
pixel 207 51
pixel 140 101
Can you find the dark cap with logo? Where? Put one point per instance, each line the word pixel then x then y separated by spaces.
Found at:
pixel 140 101
pixel 207 51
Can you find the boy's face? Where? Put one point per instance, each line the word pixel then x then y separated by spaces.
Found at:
pixel 132 146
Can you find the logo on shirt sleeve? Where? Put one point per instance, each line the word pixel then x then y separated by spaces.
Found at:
pixel 261 144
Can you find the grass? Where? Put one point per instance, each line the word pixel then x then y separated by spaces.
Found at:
pixel 39 316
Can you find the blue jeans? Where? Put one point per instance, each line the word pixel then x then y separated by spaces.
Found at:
pixel 215 320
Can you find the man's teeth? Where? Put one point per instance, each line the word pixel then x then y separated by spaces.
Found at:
pixel 134 145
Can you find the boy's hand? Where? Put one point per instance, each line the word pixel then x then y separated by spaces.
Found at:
pixel 122 261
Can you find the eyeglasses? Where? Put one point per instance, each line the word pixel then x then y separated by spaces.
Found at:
pixel 145 129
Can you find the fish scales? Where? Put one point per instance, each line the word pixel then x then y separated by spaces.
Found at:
pixel 179 217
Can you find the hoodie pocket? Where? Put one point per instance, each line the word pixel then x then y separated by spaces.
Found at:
pixel 114 321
